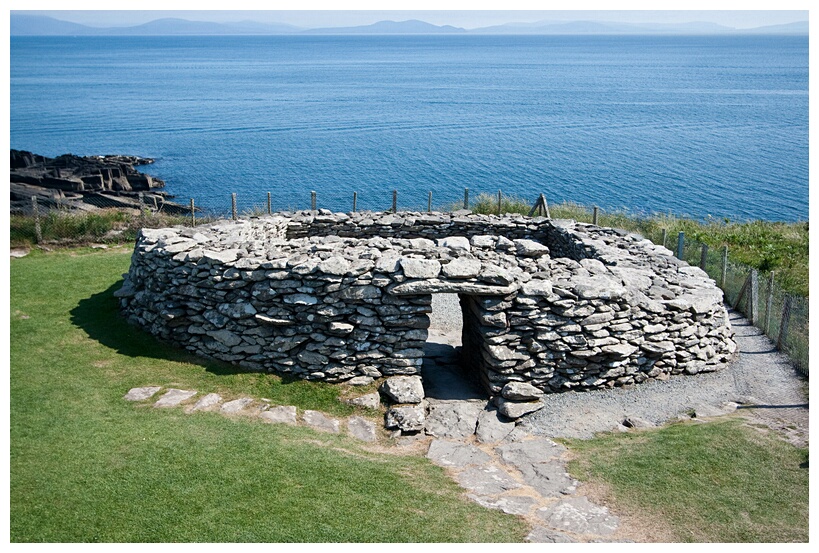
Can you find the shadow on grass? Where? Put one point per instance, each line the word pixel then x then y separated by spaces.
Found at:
pixel 100 318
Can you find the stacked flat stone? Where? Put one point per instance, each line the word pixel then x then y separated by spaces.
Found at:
pixel 331 296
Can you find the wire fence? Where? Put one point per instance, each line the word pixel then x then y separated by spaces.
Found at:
pixel 782 316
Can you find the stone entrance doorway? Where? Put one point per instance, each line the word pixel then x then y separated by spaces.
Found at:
pixel 444 373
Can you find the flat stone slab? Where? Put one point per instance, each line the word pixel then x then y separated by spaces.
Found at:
pixel 236 405
pixel 541 534
pixel 452 419
pixel 509 504
pixel 579 515
pixel 206 402
pixel 404 389
pixel 362 429
pixel 491 429
pixel 141 394
pixel 538 461
pixel 486 480
pixel 456 454
pixel 279 414
pixel 174 397
pixel 320 421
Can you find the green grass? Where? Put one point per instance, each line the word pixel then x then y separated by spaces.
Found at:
pixel 86 466
pixel 716 482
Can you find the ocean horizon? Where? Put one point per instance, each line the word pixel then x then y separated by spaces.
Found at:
pixel 698 126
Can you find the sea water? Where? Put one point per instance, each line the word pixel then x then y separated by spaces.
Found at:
pixel 692 125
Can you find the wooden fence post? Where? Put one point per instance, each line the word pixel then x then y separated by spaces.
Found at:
pixel 38 232
pixel 355 201
pixel 395 201
pixel 783 325
pixel 769 304
pixel 499 202
pixel 466 198
pixel 193 215
pixel 724 273
pixel 665 235
pixel 594 215
pixel 703 256
pixel 753 298
pixel 233 206
pixel 429 202
pixel 312 200
pixel 680 244
pixel 269 205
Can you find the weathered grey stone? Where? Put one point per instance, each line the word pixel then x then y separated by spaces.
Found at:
pixel 320 421
pixel 537 287
pixel 516 409
pixel 493 427
pixel 174 397
pixel 530 248
pixel 404 389
pixel 370 401
pixel 538 461
pixel 206 402
pixel 225 337
pixel 236 406
pixel 279 414
pixel 452 419
pixel 334 266
pixel 448 453
pixel 408 418
pixel 360 381
pixel 540 534
pixel 362 429
pixel 458 243
pixel 509 504
pixel 580 516
pixel 486 480
pixel 435 286
pixel 420 268
pixel 521 391
pixel 141 394
pixel 461 268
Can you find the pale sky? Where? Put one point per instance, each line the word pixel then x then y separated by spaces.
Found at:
pixel 458 13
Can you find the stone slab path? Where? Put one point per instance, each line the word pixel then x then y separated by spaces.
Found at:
pixel 357 427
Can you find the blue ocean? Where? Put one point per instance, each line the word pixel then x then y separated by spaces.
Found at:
pixel 691 125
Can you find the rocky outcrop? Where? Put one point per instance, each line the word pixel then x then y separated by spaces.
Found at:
pixel 557 305
pixel 75 182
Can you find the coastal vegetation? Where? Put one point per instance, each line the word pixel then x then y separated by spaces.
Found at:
pixel 85 465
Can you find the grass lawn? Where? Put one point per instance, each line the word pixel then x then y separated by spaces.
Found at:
pixel 722 481
pixel 86 466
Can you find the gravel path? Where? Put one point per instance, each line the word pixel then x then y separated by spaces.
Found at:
pixel 761 383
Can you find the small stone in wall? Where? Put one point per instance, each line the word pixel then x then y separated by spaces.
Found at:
pixel 521 391
pixel 515 410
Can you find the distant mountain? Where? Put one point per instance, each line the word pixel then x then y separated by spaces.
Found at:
pixel 23 25
pixel 37 25
pixel 797 28
pixel 30 25
pixel 411 27
pixel 602 28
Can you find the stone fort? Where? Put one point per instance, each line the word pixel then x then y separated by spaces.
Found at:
pixel 548 305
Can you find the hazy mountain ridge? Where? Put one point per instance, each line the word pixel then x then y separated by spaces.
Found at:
pixel 34 25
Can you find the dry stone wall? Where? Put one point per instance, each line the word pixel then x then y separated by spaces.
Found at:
pixel 558 305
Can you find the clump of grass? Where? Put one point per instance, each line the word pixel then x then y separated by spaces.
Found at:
pixel 716 482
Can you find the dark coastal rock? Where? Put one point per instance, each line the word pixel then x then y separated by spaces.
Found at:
pixel 85 183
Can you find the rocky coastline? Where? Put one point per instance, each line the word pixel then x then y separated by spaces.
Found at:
pixel 88 183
